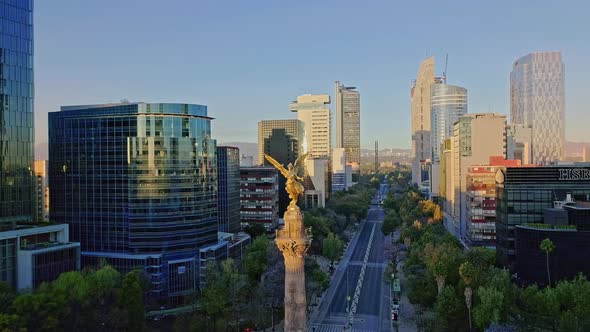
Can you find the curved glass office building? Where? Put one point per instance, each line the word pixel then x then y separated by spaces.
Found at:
pixel 448 103
pixel 137 184
pixel 16 111
pixel 537 100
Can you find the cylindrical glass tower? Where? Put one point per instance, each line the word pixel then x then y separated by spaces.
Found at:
pixel 448 103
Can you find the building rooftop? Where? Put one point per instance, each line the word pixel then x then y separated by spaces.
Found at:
pixel 579 205
pixel 133 108
pixel 549 227
pixel 47 245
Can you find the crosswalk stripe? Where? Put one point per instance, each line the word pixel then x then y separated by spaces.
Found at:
pixel 333 328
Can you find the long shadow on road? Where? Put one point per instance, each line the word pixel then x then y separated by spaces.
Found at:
pixel 344 289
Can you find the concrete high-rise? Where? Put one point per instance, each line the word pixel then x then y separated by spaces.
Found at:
pixel 228 189
pixel 476 138
pixel 421 130
pixel 16 113
pixel 259 196
pixel 481 201
pixel 315 115
pixel 537 99
pixel 348 123
pixel 137 184
pixel 42 191
pixel 519 143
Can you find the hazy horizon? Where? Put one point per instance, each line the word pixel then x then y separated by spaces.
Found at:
pixel 247 63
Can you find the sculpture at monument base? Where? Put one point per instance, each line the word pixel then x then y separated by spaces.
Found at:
pixel 293 240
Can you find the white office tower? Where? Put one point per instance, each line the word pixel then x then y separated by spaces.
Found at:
pixel 421 143
pixel 537 99
pixel 519 143
pixel 476 138
pixel 313 111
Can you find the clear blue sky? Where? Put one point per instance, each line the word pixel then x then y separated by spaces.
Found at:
pixel 247 60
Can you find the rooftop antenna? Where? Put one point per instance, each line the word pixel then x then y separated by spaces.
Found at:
pixel 445 72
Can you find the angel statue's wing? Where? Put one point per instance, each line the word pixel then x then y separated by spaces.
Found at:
pixel 300 160
pixel 277 165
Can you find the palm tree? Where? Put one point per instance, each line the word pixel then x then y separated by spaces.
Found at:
pixel 547 246
pixel 468 271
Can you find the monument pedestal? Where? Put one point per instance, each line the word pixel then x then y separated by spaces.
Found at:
pixel 293 241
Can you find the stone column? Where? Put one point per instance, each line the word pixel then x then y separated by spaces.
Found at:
pixel 293 241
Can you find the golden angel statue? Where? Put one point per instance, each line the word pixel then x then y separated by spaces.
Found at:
pixel 294 186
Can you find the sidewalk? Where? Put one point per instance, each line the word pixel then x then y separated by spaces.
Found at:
pixel 407 312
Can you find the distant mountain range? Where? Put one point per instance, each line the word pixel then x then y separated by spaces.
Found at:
pixel 574 149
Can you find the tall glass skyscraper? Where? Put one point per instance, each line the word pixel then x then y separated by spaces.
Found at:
pixel 447 103
pixel 136 182
pixel 228 189
pixel 537 99
pixel 16 111
pixel 348 123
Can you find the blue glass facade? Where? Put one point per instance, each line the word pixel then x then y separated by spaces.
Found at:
pixel 16 111
pixel 228 189
pixel 136 182
pixel 338 182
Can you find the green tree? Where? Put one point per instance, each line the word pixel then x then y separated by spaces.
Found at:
pixel 374 182
pixel 103 295
pixel 441 260
pixel 468 273
pixel 75 288
pixel 7 295
pixel 255 230
pixel 235 286
pixel 43 310
pixel 449 310
pixel 320 227
pixel 390 223
pixel 489 307
pixel 547 246
pixel 422 290
pixel 131 301
pixel 332 248
pixel 213 301
pixel 9 322
pixel 256 259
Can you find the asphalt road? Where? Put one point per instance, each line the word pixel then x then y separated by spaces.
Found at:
pixel 372 312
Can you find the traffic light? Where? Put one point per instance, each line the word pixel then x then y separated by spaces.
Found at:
pixel 394 316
